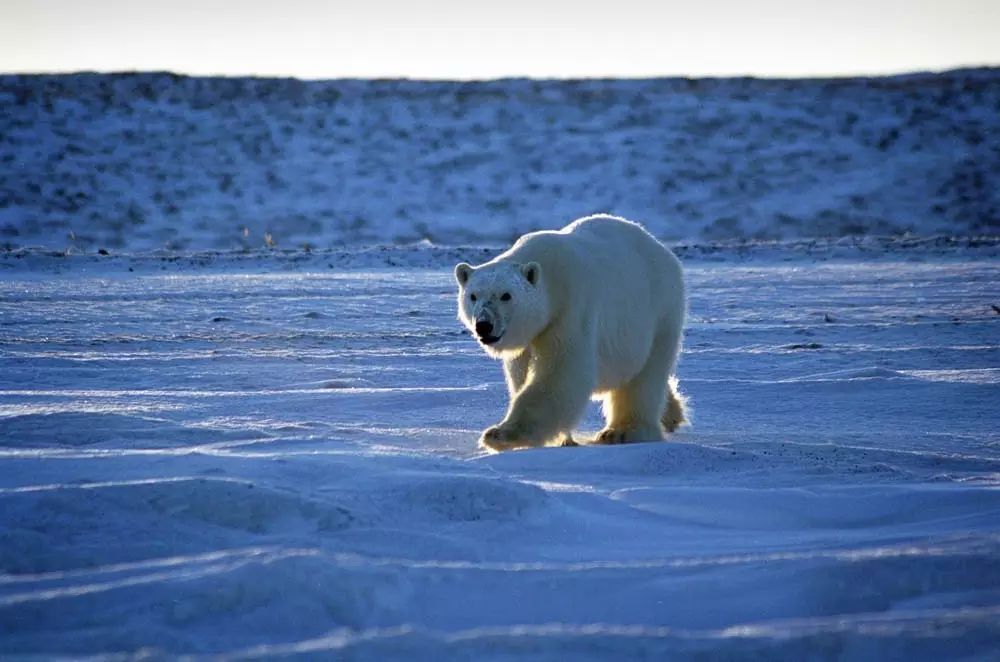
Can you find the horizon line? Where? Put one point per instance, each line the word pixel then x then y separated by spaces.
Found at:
pixel 455 79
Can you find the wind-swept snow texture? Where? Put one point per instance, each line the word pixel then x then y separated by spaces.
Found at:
pixel 273 456
pixel 148 161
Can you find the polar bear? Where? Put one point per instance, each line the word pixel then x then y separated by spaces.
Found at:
pixel 593 310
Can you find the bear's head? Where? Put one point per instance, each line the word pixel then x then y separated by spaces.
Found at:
pixel 503 304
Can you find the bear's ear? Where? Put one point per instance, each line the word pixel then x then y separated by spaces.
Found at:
pixel 462 272
pixel 532 272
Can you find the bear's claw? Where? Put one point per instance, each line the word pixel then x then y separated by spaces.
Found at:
pixel 628 435
pixel 499 439
pixel 611 436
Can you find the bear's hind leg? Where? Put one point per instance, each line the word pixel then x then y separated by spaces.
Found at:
pixel 566 440
pixel 634 412
pixel 676 414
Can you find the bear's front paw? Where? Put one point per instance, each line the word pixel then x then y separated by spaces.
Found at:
pixel 500 438
pixel 611 436
pixel 628 435
pixel 566 440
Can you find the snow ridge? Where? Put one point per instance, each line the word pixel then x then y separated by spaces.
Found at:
pixel 155 160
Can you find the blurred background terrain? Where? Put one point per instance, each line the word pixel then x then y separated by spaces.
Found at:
pixel 154 160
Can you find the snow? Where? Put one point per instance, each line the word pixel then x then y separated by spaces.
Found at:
pixel 238 417
pixel 271 454
pixel 138 162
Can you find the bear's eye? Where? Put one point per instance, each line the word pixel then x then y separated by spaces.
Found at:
pixel 472 297
pixel 505 296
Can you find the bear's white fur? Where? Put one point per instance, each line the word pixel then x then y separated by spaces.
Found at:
pixel 593 310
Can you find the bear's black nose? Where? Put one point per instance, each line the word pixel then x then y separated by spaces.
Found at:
pixel 484 329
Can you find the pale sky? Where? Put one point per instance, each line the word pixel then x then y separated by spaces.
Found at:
pixel 470 39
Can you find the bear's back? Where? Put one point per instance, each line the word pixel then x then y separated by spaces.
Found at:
pixel 606 244
pixel 603 259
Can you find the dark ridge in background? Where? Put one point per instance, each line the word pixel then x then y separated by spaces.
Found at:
pixel 139 161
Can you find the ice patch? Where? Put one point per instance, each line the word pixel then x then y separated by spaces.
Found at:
pixel 80 428
pixel 968 376
pixel 850 375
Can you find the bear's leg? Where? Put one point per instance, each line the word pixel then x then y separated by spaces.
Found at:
pixel 676 414
pixel 566 440
pixel 515 370
pixel 635 410
pixel 551 403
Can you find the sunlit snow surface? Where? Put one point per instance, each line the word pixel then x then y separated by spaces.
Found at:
pixel 269 456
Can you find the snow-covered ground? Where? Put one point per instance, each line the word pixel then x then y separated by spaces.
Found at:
pixel 271 450
pixel 267 454
pixel 149 161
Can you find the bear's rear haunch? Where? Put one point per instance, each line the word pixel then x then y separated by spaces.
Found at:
pixel 595 310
